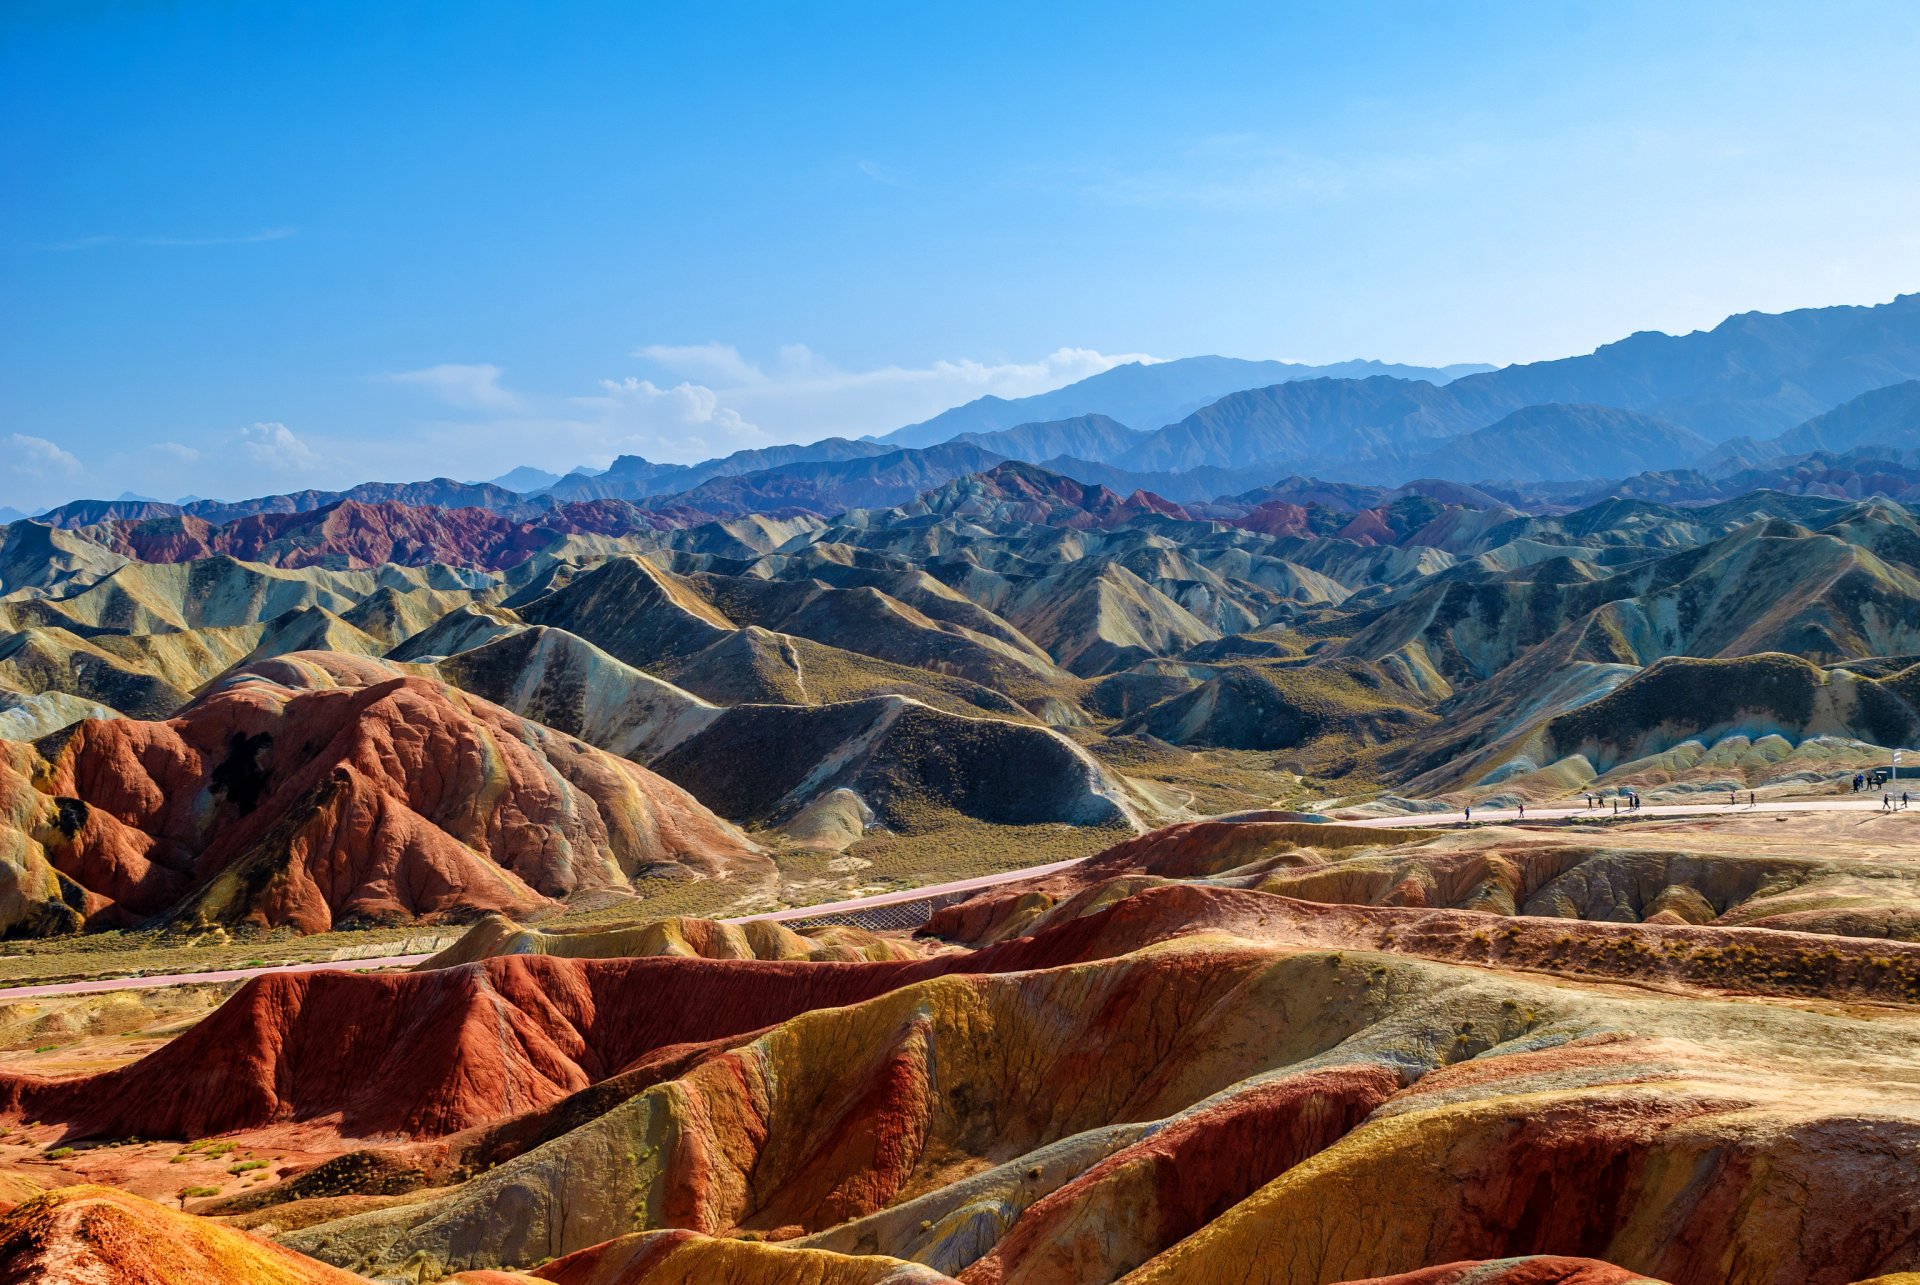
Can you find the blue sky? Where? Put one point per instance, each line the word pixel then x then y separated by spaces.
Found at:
pixel 248 247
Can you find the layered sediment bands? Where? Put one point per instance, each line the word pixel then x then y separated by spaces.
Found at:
pixel 431 1053
pixel 1845 893
pixel 658 1258
pixel 344 534
pixel 1540 1269
pixel 840 1113
pixel 1695 1176
pixel 96 1235
pixel 1177 1179
pixel 35 900
pixel 704 938
pixel 1169 1079
pixel 278 801
pixel 1076 1122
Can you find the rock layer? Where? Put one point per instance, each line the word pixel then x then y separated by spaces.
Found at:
pixel 307 792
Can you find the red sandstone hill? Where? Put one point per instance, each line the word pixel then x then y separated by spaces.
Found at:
pixel 281 799
pixel 1277 517
pixel 351 534
pixel 90 1235
pixel 342 535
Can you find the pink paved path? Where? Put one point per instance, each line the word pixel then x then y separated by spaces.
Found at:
pixel 1850 804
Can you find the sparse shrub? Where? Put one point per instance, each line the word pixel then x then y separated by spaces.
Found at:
pixel 59 1153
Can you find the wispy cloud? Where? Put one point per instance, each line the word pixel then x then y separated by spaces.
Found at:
pixel 885 175
pixel 38 457
pixel 36 472
pixel 696 401
pixel 250 238
pixel 712 361
pixel 469 386
pixel 1246 171
pixel 797 372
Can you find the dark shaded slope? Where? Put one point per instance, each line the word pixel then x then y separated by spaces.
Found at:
pixel 907 761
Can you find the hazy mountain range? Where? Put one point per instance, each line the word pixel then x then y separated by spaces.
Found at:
pixel 1148 395
pixel 1758 394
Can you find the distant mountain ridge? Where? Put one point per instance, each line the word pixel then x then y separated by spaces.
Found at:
pixel 1888 417
pixel 831 487
pixel 440 492
pixel 630 477
pixel 1755 392
pixel 1558 443
pixel 1083 437
pixel 1752 374
pixel 1144 395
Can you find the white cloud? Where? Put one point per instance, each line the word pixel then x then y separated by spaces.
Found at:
pixel 470 387
pixel 175 452
pixel 718 361
pixel 36 473
pixel 274 446
pixel 702 400
pixel 685 421
pixel 247 238
pixel 38 458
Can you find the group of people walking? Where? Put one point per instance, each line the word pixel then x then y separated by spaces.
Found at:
pixel 1889 802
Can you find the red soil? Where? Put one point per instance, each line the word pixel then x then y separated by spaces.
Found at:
pixel 1202 1165
pixel 1276 517
pixel 347 534
pixel 399 799
pixel 99 1236
pixel 1544 1270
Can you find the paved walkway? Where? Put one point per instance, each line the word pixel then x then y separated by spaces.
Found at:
pixel 1862 805
pixel 182 979
pixel 403 961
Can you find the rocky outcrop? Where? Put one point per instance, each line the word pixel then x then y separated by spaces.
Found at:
pixel 346 534
pixel 307 791
pixel 80 1235
pixel 765 764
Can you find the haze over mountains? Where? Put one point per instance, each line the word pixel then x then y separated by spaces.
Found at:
pixel 1145 395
